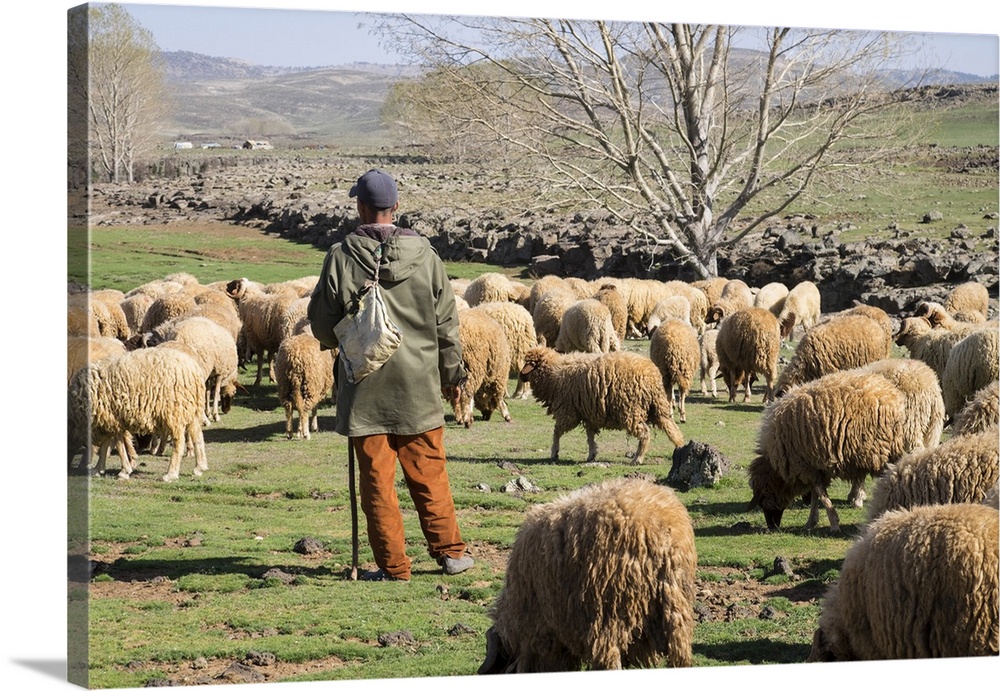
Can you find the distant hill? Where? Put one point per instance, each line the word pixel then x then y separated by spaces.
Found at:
pixel 218 97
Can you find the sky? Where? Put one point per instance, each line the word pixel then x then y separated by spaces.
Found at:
pixel 32 580
pixel 328 32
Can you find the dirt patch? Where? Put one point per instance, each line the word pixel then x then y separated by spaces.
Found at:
pixel 253 669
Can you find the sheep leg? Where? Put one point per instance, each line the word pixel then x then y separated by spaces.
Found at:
pixel 270 366
pixel 174 467
pixel 713 375
pixel 260 367
pixel 288 420
pixel 303 421
pixel 819 494
pixel 102 456
pixel 642 432
pixel 127 466
pixel 314 413
pixel 682 394
pixel 857 494
pixel 591 443
pixel 216 393
pixel 813 510
pixel 503 410
pixel 198 442
pixel 562 426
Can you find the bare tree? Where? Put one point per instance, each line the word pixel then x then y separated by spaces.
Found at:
pixel 126 95
pixel 692 141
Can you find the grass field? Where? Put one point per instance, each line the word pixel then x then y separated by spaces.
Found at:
pixel 180 589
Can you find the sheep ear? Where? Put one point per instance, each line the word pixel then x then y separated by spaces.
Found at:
pixel 527 369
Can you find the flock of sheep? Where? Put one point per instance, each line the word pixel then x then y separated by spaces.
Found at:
pixel 604 578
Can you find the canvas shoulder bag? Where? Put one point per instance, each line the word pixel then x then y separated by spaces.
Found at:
pixel 367 336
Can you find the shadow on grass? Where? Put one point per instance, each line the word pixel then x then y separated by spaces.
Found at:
pixel 144 570
pixel 755 652
pixel 216 434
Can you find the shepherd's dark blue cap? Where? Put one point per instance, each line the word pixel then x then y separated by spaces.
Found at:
pixel 377 189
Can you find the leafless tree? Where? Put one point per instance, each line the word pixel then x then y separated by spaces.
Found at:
pixel 124 87
pixel 692 135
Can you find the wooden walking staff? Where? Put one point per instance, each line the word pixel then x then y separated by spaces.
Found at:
pixel 354 510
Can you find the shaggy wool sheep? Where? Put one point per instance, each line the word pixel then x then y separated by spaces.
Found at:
pixel 921 583
pixel 981 413
pixel 619 390
pixel 801 308
pixel 708 365
pixel 748 344
pixel 973 362
pixel 674 349
pixel 581 288
pixel 612 298
pixel 486 355
pixel 158 391
pixel 968 298
pixel 840 343
pixel 214 349
pixel 519 328
pixel 81 350
pixel 112 321
pixel 926 343
pixel 261 313
pixel 134 308
pixel 488 287
pixel 696 298
pixel 303 372
pixel 711 287
pixel 962 469
pixel 939 318
pixel 771 297
pixel 845 425
pixel 544 285
pixel 167 308
pixel 548 313
pixel 586 327
pixel 923 396
pixel 675 306
pixel 643 294
pixel 603 578
pixel 736 295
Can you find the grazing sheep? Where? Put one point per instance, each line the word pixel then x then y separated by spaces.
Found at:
pixel 303 373
pixel 603 578
pixel 611 297
pixel 488 287
pixel 167 308
pixel 939 318
pixel 981 413
pixel 923 397
pixel 973 362
pixel 708 365
pixel 111 319
pixel 214 349
pixel 619 390
pixel 548 313
pixel 675 306
pixel 81 350
pixel 643 294
pixel 845 425
pixel 294 313
pixel 696 298
pixel 261 313
pixel 486 355
pixel 134 308
pixel 520 294
pixel 674 349
pixel 581 288
pixel 158 391
pixel 586 327
pixel 926 343
pixel 962 469
pixel 542 286
pixel 459 286
pixel 771 297
pixel 801 308
pixel 711 287
pixel 748 344
pixel 917 584
pixel 79 321
pixel 968 298
pixel 839 343
pixel 519 328
pixel 736 295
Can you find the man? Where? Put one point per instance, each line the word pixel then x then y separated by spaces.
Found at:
pixel 395 413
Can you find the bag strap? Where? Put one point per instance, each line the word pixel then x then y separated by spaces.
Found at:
pixel 379 252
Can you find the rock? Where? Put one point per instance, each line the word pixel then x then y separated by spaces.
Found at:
pixel 308 545
pixel 697 464
pixel 238 672
pixel 277 573
pixel 460 630
pixel 932 216
pixel 397 639
pixel 260 659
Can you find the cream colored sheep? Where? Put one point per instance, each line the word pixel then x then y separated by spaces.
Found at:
pixel 924 402
pixel 548 313
pixel 158 391
pixel 708 365
pixel 962 469
pixel 459 286
pixel 840 343
pixel 81 350
pixel 261 313
pixel 520 294
pixel 612 298
pixel 696 298
pixel 214 349
pixel 771 297
pixel 619 390
pixel 542 286
pixel 748 344
pixel 674 349
pixel 581 288
pixel 711 287
pixel 844 425
pixel 940 318
pixel 166 308
pixel 519 328
pixel 586 327
pixel 802 308
pixel 921 583
pixel 675 306
pixel 303 373
pixel 486 355
pixel 736 295
pixel 981 413
pixel 603 578
pixel 973 362
pixel 112 321
pixel 134 308
pixel 643 294
pixel 488 287
pixel 968 298
pixel 926 343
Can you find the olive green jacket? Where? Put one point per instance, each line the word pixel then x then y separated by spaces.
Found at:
pixel 404 396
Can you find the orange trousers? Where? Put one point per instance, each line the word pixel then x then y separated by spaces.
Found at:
pixel 422 459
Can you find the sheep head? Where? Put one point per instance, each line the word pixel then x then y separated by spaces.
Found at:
pixel 911 327
pixel 237 288
pixel 770 492
pixel 535 358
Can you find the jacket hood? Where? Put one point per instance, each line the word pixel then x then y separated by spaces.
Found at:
pixel 402 254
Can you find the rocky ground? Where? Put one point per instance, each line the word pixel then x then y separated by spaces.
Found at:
pixel 304 199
